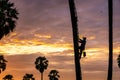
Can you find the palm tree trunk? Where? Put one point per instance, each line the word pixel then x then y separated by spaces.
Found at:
pixel 75 39
pixel 110 65
pixel 41 76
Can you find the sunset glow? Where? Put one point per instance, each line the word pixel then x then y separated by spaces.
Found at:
pixel 28 49
pixel 44 29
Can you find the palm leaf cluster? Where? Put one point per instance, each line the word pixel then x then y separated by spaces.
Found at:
pixel 28 77
pixel 41 64
pixel 118 60
pixel 53 75
pixel 8 17
pixel 2 63
pixel 8 77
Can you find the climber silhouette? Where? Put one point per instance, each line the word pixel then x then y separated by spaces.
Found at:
pixel 82 47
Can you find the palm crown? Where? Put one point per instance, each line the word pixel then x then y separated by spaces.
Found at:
pixel 2 63
pixel 53 75
pixel 28 77
pixel 41 64
pixel 8 17
pixel 8 77
pixel 118 60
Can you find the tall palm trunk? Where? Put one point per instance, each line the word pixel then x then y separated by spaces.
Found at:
pixel 110 13
pixel 75 39
pixel 41 76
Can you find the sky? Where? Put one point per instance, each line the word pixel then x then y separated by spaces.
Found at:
pixel 44 29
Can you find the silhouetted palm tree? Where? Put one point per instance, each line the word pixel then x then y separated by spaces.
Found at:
pixel 2 63
pixel 75 39
pixel 110 18
pixel 28 77
pixel 8 17
pixel 53 75
pixel 41 64
pixel 118 60
pixel 8 77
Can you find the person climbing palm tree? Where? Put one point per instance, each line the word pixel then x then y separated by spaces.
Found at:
pixel 118 60
pixel 28 77
pixel 2 63
pixel 82 47
pixel 41 64
pixel 8 17
pixel 53 75
pixel 8 77
pixel 74 20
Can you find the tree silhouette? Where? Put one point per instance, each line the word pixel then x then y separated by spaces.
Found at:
pixel 118 61
pixel 28 77
pixel 8 17
pixel 75 39
pixel 8 77
pixel 2 63
pixel 53 75
pixel 41 64
pixel 110 18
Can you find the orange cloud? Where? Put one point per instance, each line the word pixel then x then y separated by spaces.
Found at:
pixel 42 36
pixel 32 46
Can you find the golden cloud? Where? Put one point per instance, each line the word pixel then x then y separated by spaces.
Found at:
pixel 31 46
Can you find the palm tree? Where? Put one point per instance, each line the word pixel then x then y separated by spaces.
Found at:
pixel 118 60
pixel 8 17
pixel 2 63
pixel 8 77
pixel 41 64
pixel 110 14
pixel 53 75
pixel 28 77
pixel 75 39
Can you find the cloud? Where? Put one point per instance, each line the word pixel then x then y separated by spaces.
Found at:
pixel 22 64
pixel 44 29
pixel 12 49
